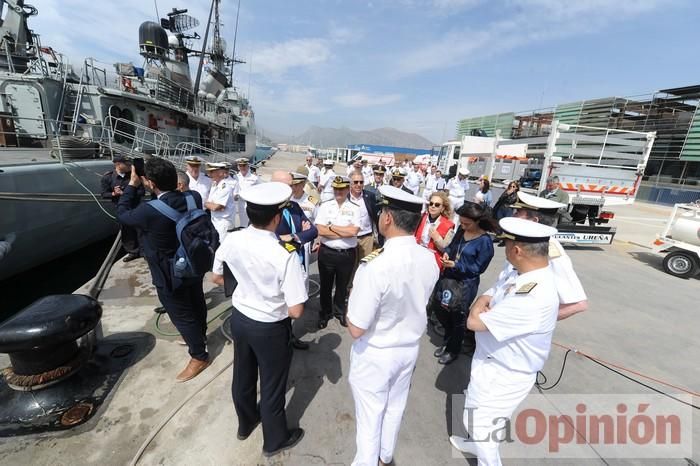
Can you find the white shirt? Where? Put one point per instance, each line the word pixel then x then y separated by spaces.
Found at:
pixel 223 193
pixel 330 213
pixel 413 181
pixel 520 322
pixel 457 187
pixel 440 184
pixel 368 173
pixel 430 183
pixel 202 185
pixel 246 181
pixel 270 279
pixel 390 293
pixel 314 174
pixel 365 221
pixel 306 205
pixel 326 180
pixel 569 286
pixel 425 234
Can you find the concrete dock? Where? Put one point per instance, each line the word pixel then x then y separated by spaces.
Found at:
pixel 640 319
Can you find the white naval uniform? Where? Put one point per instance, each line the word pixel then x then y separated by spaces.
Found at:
pixel 458 190
pixel 244 182
pixel 430 184
pixel 202 185
pixel 314 175
pixel 270 279
pixel 306 205
pixel 389 296
pixel 413 180
pixel 325 185
pixel 223 193
pixel 569 286
pixel 330 213
pixel 368 174
pixel 520 323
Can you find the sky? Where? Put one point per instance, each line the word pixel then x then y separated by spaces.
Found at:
pixel 415 65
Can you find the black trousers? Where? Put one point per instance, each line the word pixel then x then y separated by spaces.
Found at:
pixel 335 266
pixel 187 310
pixel 455 325
pixel 130 239
pixel 263 347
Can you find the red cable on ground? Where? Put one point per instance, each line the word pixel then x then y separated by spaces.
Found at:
pixel 685 390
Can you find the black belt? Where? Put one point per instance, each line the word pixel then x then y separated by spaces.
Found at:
pixel 338 250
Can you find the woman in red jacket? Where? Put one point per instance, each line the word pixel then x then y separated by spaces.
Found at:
pixel 435 230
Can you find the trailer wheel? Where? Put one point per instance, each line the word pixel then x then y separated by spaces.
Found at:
pixel 681 264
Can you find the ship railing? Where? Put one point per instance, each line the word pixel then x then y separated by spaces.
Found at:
pixel 124 137
pixel 188 149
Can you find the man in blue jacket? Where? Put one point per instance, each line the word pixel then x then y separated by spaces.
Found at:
pixel 295 227
pixel 184 304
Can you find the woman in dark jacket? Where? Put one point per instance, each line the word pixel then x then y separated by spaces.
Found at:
pixel 502 206
pixel 464 260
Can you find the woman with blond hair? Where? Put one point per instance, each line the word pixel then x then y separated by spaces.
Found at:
pixel 436 229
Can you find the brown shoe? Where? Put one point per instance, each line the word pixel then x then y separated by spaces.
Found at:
pixel 194 367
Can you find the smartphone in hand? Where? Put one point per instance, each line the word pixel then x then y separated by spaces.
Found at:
pixel 139 166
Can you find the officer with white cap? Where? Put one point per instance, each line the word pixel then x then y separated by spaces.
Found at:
pixel 198 181
pixel 457 188
pixel 572 297
pixel 325 182
pixel 513 339
pixel 270 291
pixel 307 202
pixel 221 201
pixel 245 180
pixel 338 222
pixel 386 317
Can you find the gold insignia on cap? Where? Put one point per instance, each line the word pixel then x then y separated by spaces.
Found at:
pixel 372 255
pixel 526 288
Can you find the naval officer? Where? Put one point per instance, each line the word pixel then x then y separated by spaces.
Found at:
pixel 198 181
pixel 245 179
pixel 270 292
pixel 386 317
pixel 513 339
pixel 572 297
pixel 221 201
pixel 457 188
pixel 338 221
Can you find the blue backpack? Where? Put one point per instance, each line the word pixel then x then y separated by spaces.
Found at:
pixel 197 237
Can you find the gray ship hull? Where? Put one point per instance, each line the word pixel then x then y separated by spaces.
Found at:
pixel 48 214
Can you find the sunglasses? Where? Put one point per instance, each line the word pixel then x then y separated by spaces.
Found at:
pixel 357 182
pixel 435 204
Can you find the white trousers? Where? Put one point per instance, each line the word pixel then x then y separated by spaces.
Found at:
pixel 494 392
pixel 243 220
pixel 380 380
pixel 456 202
pixel 222 226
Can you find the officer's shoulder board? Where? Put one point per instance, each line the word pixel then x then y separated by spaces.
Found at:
pixel 526 288
pixel 312 199
pixel 289 246
pixel 372 255
pixel 554 250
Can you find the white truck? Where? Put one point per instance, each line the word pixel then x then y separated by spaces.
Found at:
pixel 596 167
pixel 680 240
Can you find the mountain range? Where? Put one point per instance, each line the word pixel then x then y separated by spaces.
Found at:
pixel 341 137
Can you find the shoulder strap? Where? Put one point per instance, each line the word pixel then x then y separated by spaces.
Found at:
pixel 191 205
pixel 165 209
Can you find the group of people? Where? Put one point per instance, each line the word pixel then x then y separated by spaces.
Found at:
pixel 388 257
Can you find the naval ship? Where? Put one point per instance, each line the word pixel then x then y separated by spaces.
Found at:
pixel 61 125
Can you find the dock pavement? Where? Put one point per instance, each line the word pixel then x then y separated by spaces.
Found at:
pixel 641 320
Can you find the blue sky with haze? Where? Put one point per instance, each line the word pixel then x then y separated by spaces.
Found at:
pixel 416 65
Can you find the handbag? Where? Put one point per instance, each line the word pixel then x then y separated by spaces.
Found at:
pixel 447 294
